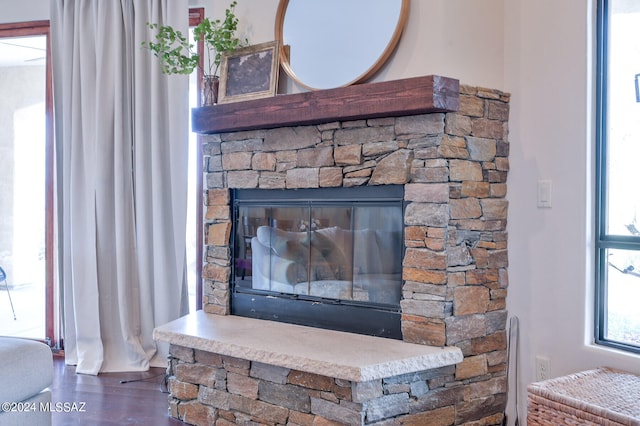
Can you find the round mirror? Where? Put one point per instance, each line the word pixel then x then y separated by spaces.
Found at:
pixel 335 43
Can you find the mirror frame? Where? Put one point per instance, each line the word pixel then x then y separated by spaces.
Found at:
pixel 382 59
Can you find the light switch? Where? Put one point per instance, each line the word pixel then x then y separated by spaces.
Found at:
pixel 544 193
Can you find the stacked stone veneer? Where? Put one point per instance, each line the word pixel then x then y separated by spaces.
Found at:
pixel 454 167
pixel 209 389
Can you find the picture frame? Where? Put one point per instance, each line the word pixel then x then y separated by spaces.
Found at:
pixel 249 73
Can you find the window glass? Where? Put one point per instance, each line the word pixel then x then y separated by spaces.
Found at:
pixel 24 178
pixel 623 124
pixel 622 296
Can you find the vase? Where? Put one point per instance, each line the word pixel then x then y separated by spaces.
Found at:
pixel 210 85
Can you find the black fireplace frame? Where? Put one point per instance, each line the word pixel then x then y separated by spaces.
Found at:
pixel 343 315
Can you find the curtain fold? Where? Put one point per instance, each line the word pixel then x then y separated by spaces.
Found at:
pixel 121 163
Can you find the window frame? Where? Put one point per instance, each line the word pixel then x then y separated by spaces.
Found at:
pixel 196 15
pixel 603 240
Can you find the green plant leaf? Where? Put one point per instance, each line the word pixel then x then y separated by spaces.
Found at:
pixel 178 56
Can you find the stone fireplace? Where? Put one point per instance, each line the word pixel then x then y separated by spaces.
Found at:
pixel 446 145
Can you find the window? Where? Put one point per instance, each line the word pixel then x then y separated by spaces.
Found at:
pixel 618 175
pixel 194 211
pixel 26 181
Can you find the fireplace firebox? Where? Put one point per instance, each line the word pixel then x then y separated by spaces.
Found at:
pixel 323 257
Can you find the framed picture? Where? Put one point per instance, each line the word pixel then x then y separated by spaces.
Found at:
pixel 249 73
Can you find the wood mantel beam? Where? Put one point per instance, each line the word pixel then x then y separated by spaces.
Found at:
pixel 417 95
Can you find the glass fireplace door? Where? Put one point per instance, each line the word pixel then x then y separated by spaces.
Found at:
pixel 333 250
pixel 343 253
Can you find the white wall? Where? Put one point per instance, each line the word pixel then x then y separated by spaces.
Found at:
pixel 20 11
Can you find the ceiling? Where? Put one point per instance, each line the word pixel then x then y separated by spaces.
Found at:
pixel 22 51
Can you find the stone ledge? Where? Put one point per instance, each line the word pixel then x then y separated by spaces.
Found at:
pixel 347 356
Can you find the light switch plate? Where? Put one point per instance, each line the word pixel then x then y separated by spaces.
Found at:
pixel 544 193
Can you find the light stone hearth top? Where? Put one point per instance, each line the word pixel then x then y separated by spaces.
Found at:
pixel 346 356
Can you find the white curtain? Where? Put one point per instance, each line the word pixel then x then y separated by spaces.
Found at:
pixel 121 159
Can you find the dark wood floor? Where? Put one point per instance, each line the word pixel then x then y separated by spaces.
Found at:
pixel 107 400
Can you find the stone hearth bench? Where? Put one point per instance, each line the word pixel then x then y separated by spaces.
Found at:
pixel 241 369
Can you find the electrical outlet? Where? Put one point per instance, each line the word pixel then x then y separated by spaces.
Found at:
pixel 542 367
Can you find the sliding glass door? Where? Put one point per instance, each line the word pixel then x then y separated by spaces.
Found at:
pixel 26 211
